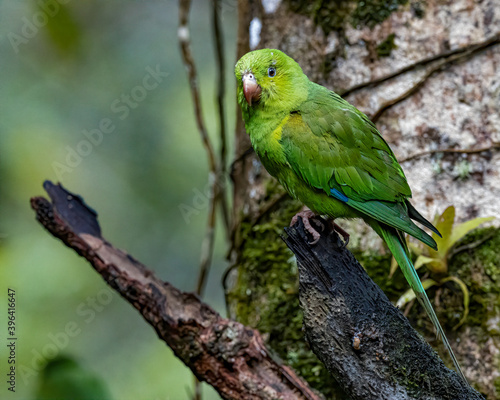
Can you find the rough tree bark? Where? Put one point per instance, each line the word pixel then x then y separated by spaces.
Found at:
pixel 226 354
pixel 363 340
pixel 427 72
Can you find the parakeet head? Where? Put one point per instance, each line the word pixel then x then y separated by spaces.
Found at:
pixel 269 80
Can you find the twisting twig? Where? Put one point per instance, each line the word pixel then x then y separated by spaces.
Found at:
pixel 270 205
pixel 445 63
pixel 217 170
pixel 240 159
pixel 207 245
pixel 463 151
pixel 213 176
pixel 472 48
pixel 226 354
pixel 221 90
pixel 376 116
pixel 187 58
pixel 208 240
pixel 471 246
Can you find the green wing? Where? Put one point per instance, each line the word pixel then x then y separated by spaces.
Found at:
pixel 334 147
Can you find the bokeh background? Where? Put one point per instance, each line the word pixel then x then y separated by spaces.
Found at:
pixel 63 72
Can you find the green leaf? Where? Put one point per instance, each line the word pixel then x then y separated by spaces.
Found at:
pixel 409 295
pixel 422 260
pixel 465 292
pixel 416 249
pixel 460 230
pixel 444 224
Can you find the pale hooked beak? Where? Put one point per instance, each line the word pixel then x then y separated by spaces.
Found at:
pixel 251 89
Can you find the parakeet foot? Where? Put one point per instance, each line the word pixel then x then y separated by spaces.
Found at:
pixel 341 232
pixel 308 216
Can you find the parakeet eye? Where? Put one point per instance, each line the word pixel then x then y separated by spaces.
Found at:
pixel 271 72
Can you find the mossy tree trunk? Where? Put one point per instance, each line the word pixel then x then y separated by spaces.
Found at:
pixel 436 70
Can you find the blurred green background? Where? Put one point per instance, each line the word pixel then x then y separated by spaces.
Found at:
pixel 65 67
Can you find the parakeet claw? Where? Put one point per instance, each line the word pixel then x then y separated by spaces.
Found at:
pixel 341 232
pixel 308 216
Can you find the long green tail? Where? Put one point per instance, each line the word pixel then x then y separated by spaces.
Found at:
pixel 397 244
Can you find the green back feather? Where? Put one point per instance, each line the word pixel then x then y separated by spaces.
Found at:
pixel 332 145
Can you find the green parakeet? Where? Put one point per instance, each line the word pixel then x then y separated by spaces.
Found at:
pixel 330 156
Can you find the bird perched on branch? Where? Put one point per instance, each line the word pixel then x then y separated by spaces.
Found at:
pixel 331 157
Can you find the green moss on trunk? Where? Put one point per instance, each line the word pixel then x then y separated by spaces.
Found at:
pixel 333 15
pixel 384 49
pixel 373 12
pixel 477 266
pixel 266 296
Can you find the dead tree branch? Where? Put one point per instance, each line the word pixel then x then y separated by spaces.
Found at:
pixel 364 341
pixel 226 354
